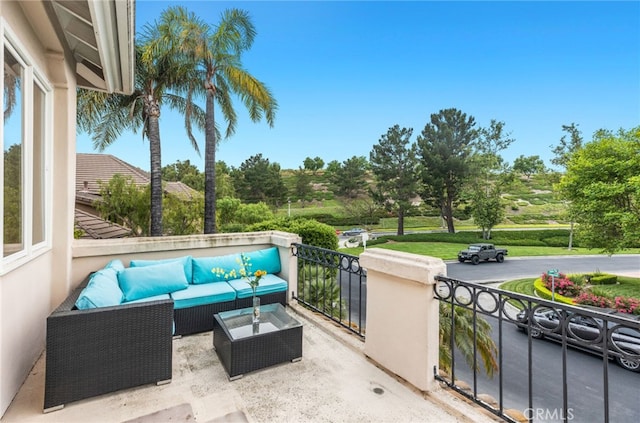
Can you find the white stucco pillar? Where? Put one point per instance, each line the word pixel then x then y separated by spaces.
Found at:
pixel 402 314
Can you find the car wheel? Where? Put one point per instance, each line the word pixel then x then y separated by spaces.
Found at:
pixel 499 258
pixel 625 363
pixel 475 259
pixel 536 333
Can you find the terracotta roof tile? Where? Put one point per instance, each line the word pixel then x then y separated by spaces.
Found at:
pixel 91 168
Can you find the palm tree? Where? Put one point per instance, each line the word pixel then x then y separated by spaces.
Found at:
pixel 463 339
pixel 106 116
pixel 215 55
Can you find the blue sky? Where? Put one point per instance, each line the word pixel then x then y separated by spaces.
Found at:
pixel 343 73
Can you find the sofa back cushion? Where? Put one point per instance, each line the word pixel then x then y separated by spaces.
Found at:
pixel 203 268
pixel 185 261
pixel 147 281
pixel 101 291
pixel 267 260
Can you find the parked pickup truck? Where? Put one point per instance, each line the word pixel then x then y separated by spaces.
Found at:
pixel 486 252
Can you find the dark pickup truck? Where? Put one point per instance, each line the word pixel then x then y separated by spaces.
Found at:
pixel 486 252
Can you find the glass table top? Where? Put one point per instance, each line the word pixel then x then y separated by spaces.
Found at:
pixel 239 323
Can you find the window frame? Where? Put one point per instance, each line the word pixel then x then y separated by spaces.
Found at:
pixel 33 78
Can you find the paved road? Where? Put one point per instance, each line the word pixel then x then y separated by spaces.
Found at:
pixel 584 381
pixel 525 267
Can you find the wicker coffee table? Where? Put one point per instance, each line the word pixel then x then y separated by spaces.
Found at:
pixel 244 347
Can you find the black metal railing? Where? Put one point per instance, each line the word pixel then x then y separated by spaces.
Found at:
pixel 333 284
pixel 545 382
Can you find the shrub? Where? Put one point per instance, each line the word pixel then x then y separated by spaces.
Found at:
pixel 604 279
pixel 545 293
pixel 312 232
pixel 627 305
pixel 587 298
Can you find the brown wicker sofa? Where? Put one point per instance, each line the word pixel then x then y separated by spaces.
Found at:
pixel 94 351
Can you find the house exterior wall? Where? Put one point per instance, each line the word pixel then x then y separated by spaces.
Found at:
pixel 31 289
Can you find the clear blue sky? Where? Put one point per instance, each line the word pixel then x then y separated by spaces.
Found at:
pixel 343 73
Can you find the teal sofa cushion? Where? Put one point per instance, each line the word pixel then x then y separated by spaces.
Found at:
pixel 115 264
pixel 268 285
pixel 147 281
pixel 203 268
pixel 267 260
pixel 101 291
pixel 185 261
pixel 202 294
pixel 154 298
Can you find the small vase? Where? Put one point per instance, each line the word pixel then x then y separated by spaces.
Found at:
pixel 256 309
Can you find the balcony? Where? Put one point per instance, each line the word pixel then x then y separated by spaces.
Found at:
pixel 336 380
pixel 333 382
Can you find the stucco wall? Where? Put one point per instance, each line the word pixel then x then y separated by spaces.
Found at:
pixel 29 292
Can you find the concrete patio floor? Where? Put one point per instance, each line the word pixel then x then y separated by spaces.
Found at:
pixel 334 382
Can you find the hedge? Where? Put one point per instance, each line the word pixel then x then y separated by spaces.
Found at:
pixel 543 292
pixel 604 279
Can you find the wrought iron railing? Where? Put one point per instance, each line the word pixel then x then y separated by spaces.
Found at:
pixel 524 375
pixel 333 284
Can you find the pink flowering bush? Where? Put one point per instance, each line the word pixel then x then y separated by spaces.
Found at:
pixel 587 298
pixel 627 305
pixel 563 285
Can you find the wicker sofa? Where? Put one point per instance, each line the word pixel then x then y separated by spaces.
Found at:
pixel 104 347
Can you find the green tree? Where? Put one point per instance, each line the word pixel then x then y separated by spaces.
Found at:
pixel 492 176
pixel 106 116
pixel 602 183
pixel 528 165
pixel 365 210
pixel 215 54
pixel 184 172
pixel 487 209
pixel 464 329
pixel 444 148
pixel 394 164
pixel 349 178
pixel 12 197
pixel 123 202
pixel 566 147
pixel 226 209
pixel 224 182
pixel 562 155
pixel 332 167
pixel 313 165
pixel 249 214
pixel 258 180
pixel 303 185
pixel 182 217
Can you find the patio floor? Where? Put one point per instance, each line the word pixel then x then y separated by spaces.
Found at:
pixel 334 382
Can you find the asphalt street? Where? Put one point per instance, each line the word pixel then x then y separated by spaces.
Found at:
pixel 526 267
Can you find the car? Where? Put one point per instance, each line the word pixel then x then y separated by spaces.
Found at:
pixel 476 252
pixel 354 232
pixel 584 333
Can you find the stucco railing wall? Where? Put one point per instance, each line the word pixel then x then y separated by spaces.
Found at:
pixel 91 255
pixel 402 314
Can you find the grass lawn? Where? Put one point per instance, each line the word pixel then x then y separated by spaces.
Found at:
pixel 449 251
pixel 626 287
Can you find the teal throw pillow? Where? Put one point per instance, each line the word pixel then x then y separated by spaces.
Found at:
pixel 185 261
pixel 267 260
pixel 115 264
pixel 101 291
pixel 203 268
pixel 147 281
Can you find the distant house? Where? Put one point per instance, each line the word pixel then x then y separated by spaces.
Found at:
pixel 93 169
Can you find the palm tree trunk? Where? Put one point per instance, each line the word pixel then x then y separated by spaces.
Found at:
pixel 156 174
pixel 210 166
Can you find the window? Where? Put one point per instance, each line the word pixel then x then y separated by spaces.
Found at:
pixel 26 122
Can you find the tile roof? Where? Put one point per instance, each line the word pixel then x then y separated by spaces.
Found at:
pixel 91 168
pixel 97 228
